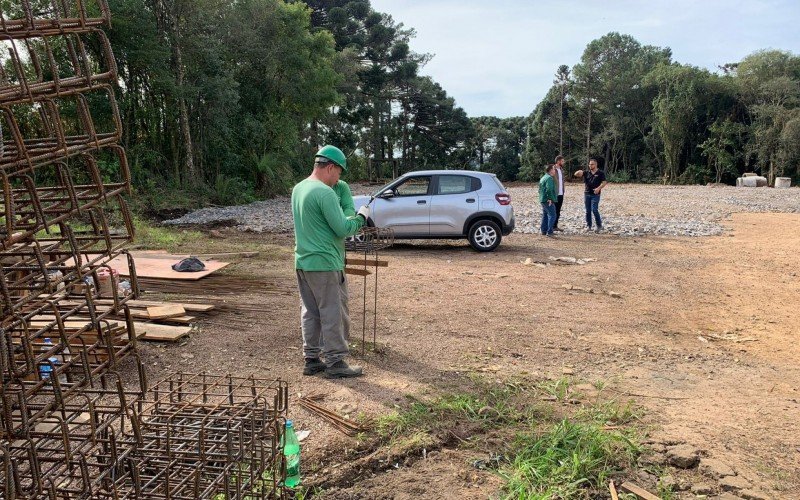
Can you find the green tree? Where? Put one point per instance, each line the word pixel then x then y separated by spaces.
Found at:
pixel 722 148
pixel 770 89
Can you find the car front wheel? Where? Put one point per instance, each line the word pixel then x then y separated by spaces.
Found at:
pixel 484 236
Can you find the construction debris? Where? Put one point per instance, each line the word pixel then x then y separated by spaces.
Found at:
pixel 573 260
pixel 341 423
pixel 575 288
pixel 751 180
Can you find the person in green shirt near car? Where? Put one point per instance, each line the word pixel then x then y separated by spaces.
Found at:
pixel 320 227
pixel 548 199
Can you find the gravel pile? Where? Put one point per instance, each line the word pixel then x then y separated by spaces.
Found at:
pixel 627 209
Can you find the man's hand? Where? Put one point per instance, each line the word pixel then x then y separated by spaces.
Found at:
pixel 597 190
pixel 549 202
pixel 578 173
pixel 364 212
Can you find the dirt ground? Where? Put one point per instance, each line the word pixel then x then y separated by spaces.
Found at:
pixel 703 334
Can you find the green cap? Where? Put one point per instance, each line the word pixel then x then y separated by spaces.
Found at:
pixel 334 154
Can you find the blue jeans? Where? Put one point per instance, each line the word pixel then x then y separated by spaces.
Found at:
pixel 548 217
pixel 592 202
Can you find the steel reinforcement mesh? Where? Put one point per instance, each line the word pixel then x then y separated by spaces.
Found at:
pixel 70 426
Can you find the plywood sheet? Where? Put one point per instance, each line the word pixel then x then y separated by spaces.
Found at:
pixel 163 333
pixel 160 266
pixel 165 311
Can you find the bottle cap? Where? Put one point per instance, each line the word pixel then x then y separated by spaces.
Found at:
pixel 289 423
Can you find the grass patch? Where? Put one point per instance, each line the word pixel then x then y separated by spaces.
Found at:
pixel 194 242
pixel 566 459
pixel 611 413
pixel 558 388
pixel 157 238
pixel 492 407
pixel 550 450
pixel 427 416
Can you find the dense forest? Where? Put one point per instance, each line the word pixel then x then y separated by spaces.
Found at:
pixel 228 101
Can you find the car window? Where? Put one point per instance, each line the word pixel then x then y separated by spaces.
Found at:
pixel 455 184
pixel 414 186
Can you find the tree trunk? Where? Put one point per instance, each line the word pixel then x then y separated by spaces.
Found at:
pixel 561 123
pixel 186 134
pixel 589 133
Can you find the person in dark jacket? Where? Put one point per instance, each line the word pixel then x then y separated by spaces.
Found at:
pixel 594 181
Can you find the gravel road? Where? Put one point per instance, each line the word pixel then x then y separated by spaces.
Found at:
pixel 627 209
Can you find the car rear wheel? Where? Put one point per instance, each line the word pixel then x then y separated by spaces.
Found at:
pixel 484 236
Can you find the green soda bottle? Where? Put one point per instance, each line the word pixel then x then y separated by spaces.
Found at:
pixel 291 450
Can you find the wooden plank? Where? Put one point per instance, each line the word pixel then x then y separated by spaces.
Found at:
pixel 146 303
pixel 179 320
pixel 638 491
pixel 613 490
pixel 166 311
pixel 366 262
pixel 69 325
pixel 136 312
pixel 161 333
pixel 357 272
pixel 75 321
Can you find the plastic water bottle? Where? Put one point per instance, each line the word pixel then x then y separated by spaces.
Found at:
pixel 291 450
pixel 66 358
pixel 46 369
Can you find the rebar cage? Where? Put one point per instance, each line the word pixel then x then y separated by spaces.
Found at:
pixel 363 251
pixel 72 426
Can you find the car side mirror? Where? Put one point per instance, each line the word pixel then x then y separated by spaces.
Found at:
pixel 386 194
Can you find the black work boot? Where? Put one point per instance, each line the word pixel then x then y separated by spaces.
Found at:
pixel 340 369
pixel 313 365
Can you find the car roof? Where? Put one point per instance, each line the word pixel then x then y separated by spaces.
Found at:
pixel 447 172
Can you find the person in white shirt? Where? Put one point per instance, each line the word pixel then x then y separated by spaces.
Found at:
pixel 558 176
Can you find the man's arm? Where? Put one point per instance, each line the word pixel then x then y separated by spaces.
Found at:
pixel 345 198
pixel 338 222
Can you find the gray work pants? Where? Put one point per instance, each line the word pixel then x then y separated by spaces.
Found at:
pixel 324 315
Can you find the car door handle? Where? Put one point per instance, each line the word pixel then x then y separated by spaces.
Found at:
pixel 421 202
pixel 470 200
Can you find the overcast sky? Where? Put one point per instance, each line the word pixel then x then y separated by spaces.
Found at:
pixel 498 57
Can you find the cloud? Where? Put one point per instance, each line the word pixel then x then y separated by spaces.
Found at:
pixel 498 58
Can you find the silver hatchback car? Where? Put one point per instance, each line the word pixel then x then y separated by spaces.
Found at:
pixel 452 204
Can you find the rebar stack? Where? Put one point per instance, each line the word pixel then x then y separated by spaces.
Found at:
pixel 70 425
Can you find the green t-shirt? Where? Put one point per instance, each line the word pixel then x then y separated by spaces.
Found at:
pixel 320 227
pixel 345 196
pixel 547 189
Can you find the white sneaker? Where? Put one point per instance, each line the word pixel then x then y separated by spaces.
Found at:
pixel 598 229
pixel 587 230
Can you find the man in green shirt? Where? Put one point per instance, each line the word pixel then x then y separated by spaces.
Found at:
pixel 547 197
pixel 320 227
